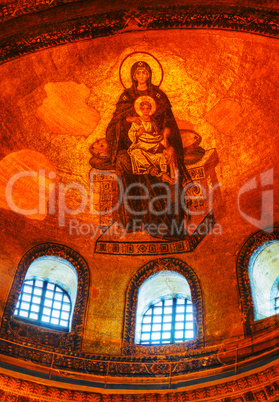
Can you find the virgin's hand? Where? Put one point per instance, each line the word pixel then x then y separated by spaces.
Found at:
pixel 135 119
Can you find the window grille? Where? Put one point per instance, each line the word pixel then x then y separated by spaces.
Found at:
pixel 45 304
pixel 276 298
pixel 168 321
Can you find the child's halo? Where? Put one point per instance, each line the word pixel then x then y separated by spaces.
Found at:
pixel 148 99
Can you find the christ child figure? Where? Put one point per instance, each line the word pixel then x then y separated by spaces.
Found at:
pixel 148 152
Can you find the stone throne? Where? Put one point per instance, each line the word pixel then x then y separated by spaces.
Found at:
pixel 201 166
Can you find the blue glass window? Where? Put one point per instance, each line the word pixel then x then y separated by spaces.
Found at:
pixel 168 321
pixel 45 304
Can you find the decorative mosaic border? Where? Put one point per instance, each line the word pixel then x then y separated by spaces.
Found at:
pixel 257 387
pixel 18 8
pixel 23 333
pixel 118 366
pixel 144 273
pixel 221 17
pixel 255 241
pixel 188 244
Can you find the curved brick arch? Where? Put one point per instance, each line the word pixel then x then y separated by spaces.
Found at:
pixel 21 332
pixel 164 264
pixel 101 24
pixel 242 272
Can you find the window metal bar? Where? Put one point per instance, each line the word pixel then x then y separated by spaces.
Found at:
pixel 173 320
pixel 42 304
pixel 152 324
pixel 184 323
pixel 162 315
pixel 57 290
pixel 52 303
pixel 172 323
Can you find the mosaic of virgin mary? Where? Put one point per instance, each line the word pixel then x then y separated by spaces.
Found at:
pixel 146 150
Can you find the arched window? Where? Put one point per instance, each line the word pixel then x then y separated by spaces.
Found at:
pixel 163 311
pixel 264 279
pixel 258 280
pixel 48 293
pixel 48 298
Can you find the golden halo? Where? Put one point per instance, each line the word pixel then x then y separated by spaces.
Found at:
pixel 127 63
pixel 145 99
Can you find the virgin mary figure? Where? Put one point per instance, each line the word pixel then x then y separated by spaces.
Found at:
pixel 147 199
